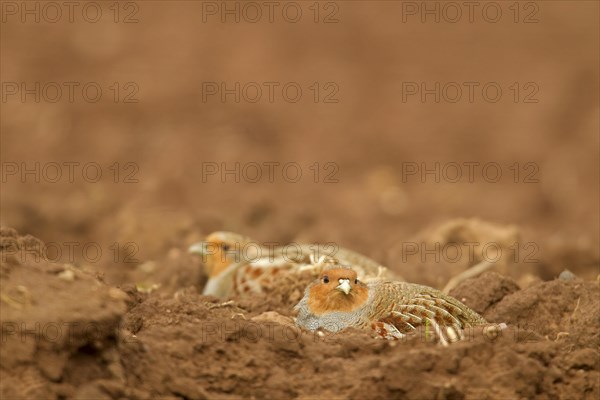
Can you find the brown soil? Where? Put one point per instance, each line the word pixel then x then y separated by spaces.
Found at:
pixel 120 343
pixel 131 323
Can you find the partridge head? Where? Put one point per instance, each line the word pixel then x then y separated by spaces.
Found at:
pixel 219 250
pixel 222 255
pixel 338 289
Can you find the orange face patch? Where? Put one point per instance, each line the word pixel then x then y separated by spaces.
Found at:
pixel 220 255
pixel 325 295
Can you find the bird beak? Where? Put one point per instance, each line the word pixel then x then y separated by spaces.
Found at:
pixel 198 248
pixel 344 285
pixel 203 249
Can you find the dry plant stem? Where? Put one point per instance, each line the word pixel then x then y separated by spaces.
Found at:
pixel 225 304
pixel 469 273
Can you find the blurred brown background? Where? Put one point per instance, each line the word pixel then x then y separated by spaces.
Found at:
pixel 366 56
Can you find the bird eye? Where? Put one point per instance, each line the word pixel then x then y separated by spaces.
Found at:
pixel 225 247
pixel 355 281
pixel 326 279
